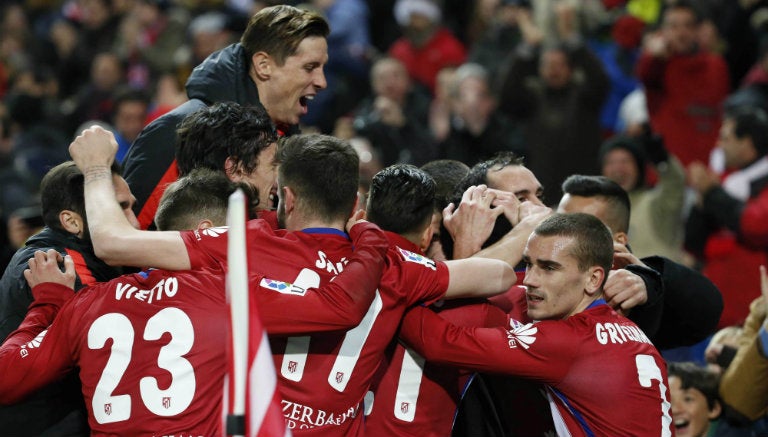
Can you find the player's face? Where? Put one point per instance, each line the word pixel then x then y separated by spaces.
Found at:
pixel 263 177
pixel 297 81
pixel 125 199
pixel 690 412
pixel 518 180
pixel 554 284
pixel 435 249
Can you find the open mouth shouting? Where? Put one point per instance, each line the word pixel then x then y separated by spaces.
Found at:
pixel 304 102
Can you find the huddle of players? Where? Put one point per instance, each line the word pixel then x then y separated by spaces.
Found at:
pixel 329 338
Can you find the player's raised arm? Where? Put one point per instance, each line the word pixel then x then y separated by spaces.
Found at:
pixel 114 239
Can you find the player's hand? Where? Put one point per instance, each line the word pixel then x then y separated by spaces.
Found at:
pixel 622 257
pixel 44 267
pixel 509 204
pixel 357 217
pixel 471 223
pixel 96 146
pixel 531 212
pixel 624 290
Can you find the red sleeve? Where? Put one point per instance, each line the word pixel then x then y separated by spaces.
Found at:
pixel 650 71
pixel 512 302
pixel 753 225
pixel 539 351
pixel 32 357
pixel 471 312
pixel 339 304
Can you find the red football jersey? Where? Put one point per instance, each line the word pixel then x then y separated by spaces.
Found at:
pixel 323 377
pixel 149 349
pixel 284 267
pixel 604 376
pixel 415 397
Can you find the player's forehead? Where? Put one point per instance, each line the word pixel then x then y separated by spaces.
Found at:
pixel 312 49
pixel 513 178
pixel 593 205
pixel 549 248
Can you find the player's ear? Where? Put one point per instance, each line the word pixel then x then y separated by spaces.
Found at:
pixel 233 171
pixel 289 199
pixel 72 222
pixel 205 224
pixel 262 65
pixel 593 279
pixel 621 237
pixel 426 238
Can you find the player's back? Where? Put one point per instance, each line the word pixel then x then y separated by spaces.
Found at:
pixel 151 353
pixel 324 377
pixel 617 381
pixel 415 397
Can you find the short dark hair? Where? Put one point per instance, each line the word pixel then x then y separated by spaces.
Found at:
pixel 478 174
pixel 752 122
pixel 62 189
pixel 202 194
pixel 592 246
pixel 322 170
pixel 700 378
pixel 278 31
pixel 600 186
pixel 207 137
pixel 447 174
pixel 401 199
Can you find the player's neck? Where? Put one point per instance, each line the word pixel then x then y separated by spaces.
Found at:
pixel 299 224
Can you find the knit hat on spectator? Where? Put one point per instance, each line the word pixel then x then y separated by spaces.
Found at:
pixel 405 8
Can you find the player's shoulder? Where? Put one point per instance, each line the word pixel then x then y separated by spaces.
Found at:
pixel 406 258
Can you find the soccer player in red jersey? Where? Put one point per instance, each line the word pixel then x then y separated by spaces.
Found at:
pixel 323 377
pixel 602 374
pixel 148 346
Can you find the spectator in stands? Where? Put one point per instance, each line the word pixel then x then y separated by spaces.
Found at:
pixel 394 118
pixel 554 91
pixel 426 47
pixel 684 86
pixel 128 116
pixel 657 211
pixel 727 228
pixel 478 131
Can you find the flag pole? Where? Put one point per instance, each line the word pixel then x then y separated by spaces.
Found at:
pixel 237 295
